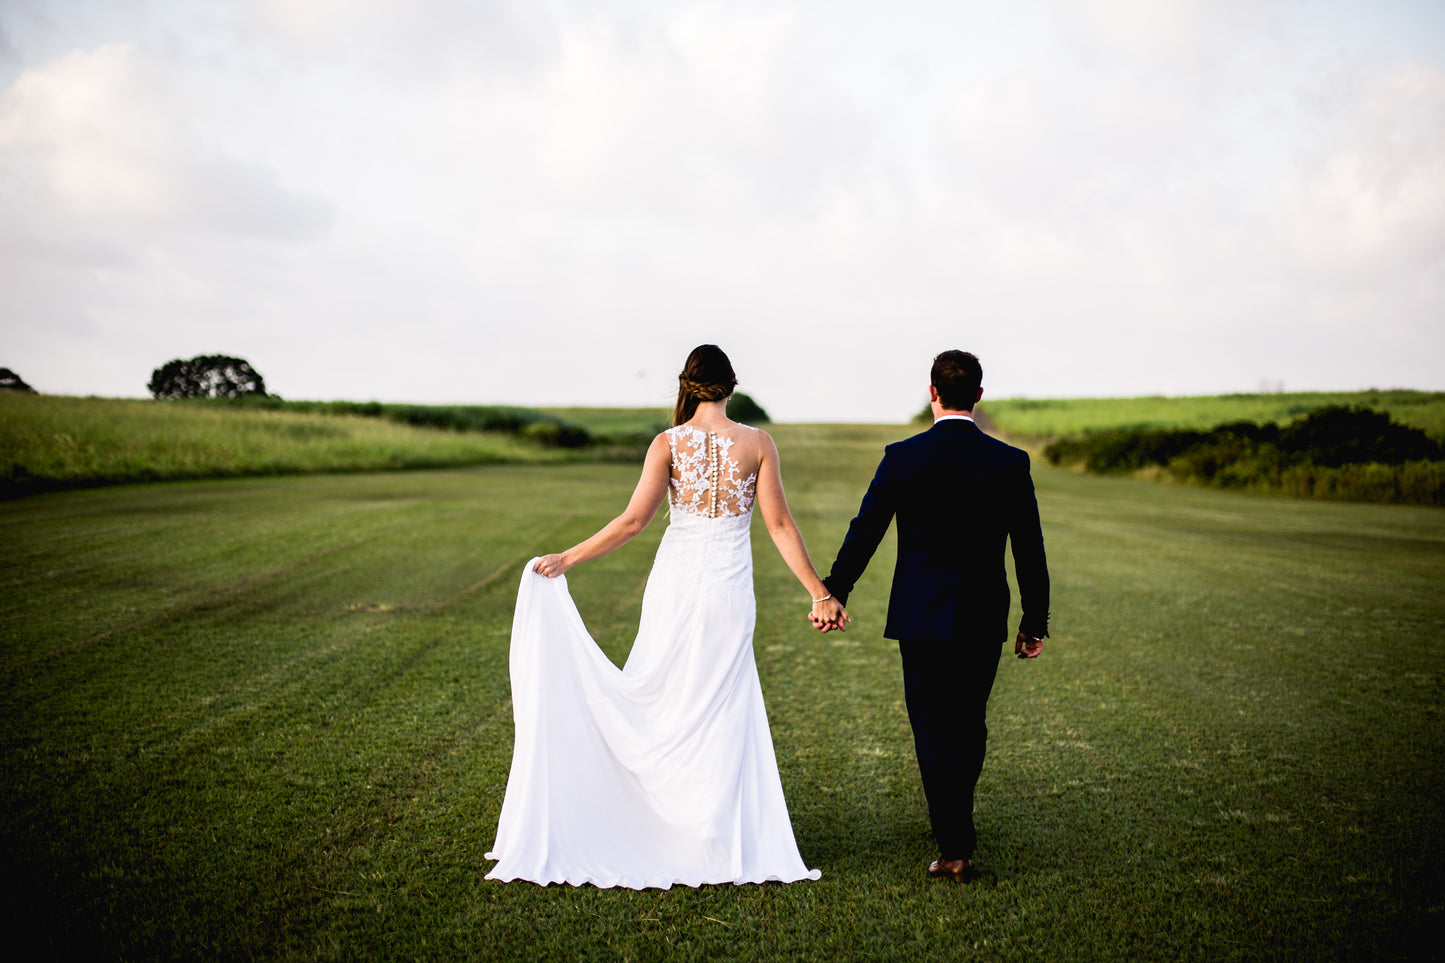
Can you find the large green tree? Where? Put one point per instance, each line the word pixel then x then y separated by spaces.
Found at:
pixel 207 376
pixel 743 408
pixel 10 381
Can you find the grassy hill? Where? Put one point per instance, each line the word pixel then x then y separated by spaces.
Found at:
pixel 616 421
pixel 1047 418
pixel 51 441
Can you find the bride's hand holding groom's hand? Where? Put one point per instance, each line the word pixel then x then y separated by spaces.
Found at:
pixel 822 625
pixel 828 614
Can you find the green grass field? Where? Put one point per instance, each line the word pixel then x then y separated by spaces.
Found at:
pixel 615 421
pixel 269 718
pixel 1056 417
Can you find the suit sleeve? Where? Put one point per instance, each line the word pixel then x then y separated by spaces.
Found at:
pixel 1026 538
pixel 866 530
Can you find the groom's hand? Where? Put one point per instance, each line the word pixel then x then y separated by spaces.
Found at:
pixel 1027 647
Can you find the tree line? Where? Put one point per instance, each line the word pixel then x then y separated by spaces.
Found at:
pixel 1341 451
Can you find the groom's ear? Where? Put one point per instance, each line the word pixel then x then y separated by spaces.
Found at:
pixel 932 394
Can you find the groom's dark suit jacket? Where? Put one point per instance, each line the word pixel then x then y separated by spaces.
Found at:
pixel 958 495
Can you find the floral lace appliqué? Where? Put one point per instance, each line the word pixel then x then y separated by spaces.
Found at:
pixel 706 480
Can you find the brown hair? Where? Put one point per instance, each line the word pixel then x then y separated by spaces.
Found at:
pixel 957 376
pixel 707 376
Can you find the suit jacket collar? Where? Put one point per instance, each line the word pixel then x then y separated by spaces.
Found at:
pixel 954 424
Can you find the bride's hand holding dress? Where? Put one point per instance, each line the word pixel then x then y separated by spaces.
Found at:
pixel 641 510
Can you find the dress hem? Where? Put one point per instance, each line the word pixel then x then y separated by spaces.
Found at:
pixel 622 883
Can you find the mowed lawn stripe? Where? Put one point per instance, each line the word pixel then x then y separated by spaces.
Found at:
pixel 1223 628
pixel 1228 750
pixel 274 670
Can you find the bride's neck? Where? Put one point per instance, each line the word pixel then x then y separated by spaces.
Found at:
pixel 711 416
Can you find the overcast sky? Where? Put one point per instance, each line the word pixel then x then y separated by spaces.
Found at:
pixel 551 202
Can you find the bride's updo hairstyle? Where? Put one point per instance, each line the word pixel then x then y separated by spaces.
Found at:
pixel 707 376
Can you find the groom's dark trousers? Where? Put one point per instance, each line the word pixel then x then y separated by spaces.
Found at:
pixel 958 496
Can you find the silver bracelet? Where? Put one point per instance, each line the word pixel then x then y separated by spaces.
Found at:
pixel 823 599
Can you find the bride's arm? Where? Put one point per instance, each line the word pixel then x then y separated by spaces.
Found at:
pixel 784 531
pixel 646 498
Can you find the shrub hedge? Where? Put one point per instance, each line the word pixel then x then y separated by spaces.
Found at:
pixel 1343 452
pixel 528 423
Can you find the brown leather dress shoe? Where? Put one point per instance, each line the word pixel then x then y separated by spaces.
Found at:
pixel 958 870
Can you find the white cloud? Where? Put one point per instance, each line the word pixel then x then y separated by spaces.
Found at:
pixel 1178 35
pixel 97 136
pixel 414 43
pixel 532 203
pixel 307 19
pixel 1373 199
pixel 77 127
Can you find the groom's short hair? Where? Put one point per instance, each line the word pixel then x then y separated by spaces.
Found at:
pixel 957 376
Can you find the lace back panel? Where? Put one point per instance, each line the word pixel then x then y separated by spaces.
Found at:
pixel 706 479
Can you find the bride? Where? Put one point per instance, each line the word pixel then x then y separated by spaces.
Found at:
pixel 661 772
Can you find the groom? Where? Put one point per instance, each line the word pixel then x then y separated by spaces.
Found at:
pixel 958 495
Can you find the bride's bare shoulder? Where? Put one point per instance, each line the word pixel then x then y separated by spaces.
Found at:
pixel 757 443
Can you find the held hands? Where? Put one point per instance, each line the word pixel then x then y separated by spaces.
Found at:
pixel 550 566
pixel 829 615
pixel 1027 647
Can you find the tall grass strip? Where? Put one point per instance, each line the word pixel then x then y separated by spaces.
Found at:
pixel 51 442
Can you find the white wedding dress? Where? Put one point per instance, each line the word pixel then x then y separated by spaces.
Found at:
pixel 661 772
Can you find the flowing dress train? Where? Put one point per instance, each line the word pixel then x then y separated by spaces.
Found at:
pixel 661 772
